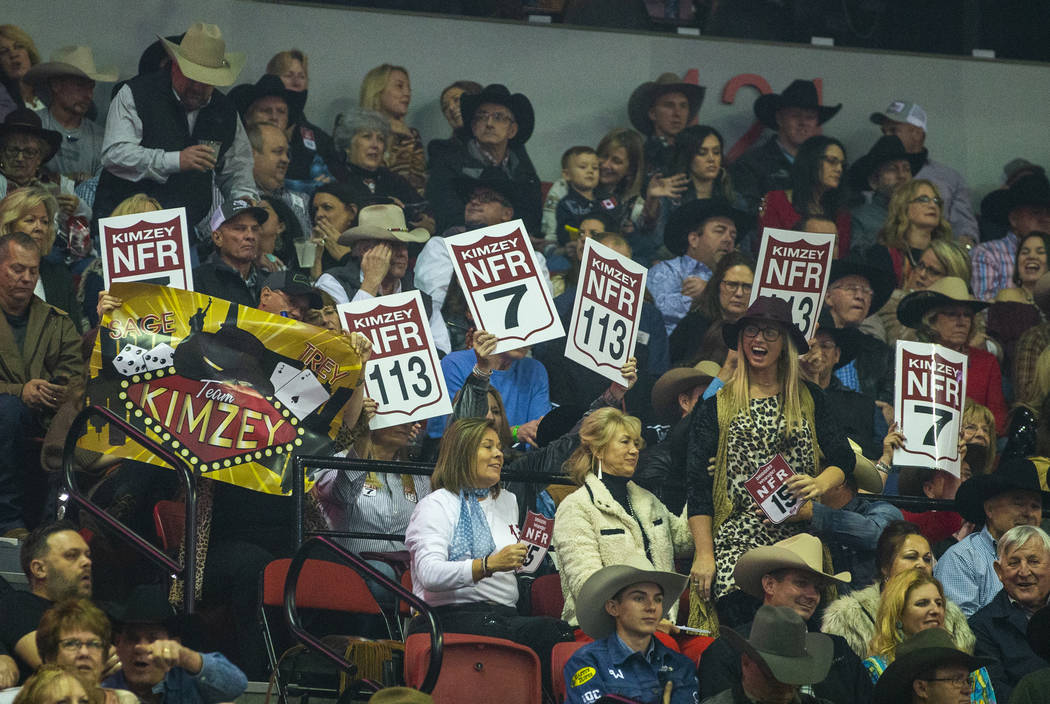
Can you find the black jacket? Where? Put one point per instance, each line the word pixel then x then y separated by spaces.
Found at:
pixel 349 277
pixel 760 170
pixel 1000 628
pixel 874 363
pixel 217 278
pixel 660 473
pixel 856 414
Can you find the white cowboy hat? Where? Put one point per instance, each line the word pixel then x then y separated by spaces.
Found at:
pixel 202 56
pixel 606 582
pixel 800 552
pixel 71 61
pixel 382 222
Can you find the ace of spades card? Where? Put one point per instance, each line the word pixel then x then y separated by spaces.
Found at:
pixel 298 389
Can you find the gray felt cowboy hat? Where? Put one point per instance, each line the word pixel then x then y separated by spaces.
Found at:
pixel 924 651
pixel 606 582
pixel 799 552
pixel 202 56
pixel 781 645
pixel 382 222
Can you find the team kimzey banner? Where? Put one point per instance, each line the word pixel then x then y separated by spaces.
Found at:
pixel 234 390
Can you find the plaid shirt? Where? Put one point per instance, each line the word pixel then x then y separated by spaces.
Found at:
pixel 1029 347
pixel 993 266
pixel 967 574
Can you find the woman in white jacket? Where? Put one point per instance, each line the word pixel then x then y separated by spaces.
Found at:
pixel 610 517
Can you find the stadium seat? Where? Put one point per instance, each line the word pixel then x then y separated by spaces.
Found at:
pixel 559 656
pixel 546 596
pixel 491 670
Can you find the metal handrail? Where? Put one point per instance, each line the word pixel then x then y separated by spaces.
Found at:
pixel 291 612
pixel 189 476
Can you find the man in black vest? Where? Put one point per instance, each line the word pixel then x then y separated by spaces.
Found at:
pixel 169 132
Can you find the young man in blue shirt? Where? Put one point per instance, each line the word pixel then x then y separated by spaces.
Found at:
pixel 620 606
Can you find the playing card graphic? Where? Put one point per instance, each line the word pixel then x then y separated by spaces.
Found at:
pixel 129 361
pixel 282 374
pixel 302 394
pixel 160 357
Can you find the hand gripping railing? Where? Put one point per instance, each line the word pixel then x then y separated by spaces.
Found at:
pixel 189 476
pixel 291 612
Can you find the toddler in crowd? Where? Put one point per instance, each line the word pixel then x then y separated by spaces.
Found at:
pixel 579 168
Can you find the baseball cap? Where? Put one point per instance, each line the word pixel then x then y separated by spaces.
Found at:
pixel 294 283
pixel 901 111
pixel 232 208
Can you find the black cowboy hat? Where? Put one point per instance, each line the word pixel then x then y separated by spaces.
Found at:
pixel 800 94
pixel 888 148
pixel 848 340
pixel 25 121
pixel 770 309
pixel 924 651
pixel 147 604
pixel 947 291
pixel 267 86
pixel 1030 189
pixel 497 93
pixel 491 177
pixel 1013 474
pixel 645 95
pixel 882 282
pixel 231 354
pixel 692 215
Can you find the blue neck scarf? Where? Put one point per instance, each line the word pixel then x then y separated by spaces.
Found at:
pixel 472 537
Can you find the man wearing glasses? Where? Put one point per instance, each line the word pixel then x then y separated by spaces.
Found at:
pixel 929 669
pixel 499 124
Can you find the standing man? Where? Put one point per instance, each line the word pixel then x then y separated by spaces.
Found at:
pixel 169 133
pixel 270 162
pixel 69 78
pixel 795 115
pixel 39 360
pixel 907 121
pixel 661 109
pixel 620 606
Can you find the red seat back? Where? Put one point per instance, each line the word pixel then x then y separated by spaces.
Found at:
pixel 559 656
pixel 406 582
pixel 477 669
pixel 322 585
pixel 169 520
pixel 546 596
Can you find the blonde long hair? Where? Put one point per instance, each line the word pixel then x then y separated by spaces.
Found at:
pixel 895 595
pixel 374 83
pixel 596 432
pixel 19 202
pixel 896 225
pixel 739 385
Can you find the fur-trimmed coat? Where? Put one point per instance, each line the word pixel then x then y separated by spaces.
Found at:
pixel 853 617
pixel 592 530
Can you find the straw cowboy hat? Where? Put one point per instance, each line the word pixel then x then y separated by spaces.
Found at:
pixel 76 61
pixel 665 391
pixel 202 55
pixel 924 651
pixel 781 645
pixel 645 95
pixel 949 291
pixel 606 582
pixel 382 222
pixel 800 552
pixel 800 94
pixel 864 473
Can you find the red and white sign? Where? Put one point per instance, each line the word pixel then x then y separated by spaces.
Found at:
pixel 768 487
pixel 151 248
pixel 795 266
pixel 928 405
pixel 536 534
pixel 403 374
pixel 503 287
pixel 607 312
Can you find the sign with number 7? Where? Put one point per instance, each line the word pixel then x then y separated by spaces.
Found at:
pixel 501 282
pixel 929 398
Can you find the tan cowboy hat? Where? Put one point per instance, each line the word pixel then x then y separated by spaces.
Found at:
pixel 76 61
pixel 864 473
pixel 202 55
pixel 382 222
pixel 951 290
pixel 665 391
pixel 799 552
pixel 780 644
pixel 606 582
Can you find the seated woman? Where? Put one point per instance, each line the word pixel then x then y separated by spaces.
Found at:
pixel 763 411
pixel 1029 266
pixel 1013 312
pixel 942 258
pixel 387 90
pixel 610 518
pixel 816 190
pixel 450 103
pixel 463 540
pixel 901 548
pixel 52 684
pixel 915 219
pixel 20 55
pixel 724 300
pixel 913 601
pixel 278 235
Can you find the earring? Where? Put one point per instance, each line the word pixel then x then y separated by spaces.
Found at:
pixel 599 468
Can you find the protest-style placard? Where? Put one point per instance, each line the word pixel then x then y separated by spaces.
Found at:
pixel 150 248
pixel 795 266
pixel 607 311
pixel 929 397
pixel 536 534
pixel 503 287
pixel 768 487
pixel 403 374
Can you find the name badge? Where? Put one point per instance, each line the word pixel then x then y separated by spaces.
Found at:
pixel 308 139
pixel 368 491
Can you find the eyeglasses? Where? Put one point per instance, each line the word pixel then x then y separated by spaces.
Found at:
pixel 834 161
pixel 734 286
pixel 770 334
pixel 927 199
pixel 28 152
pixel 929 269
pixel 855 289
pixel 72 645
pixel 488 197
pixel 959 681
pixel 500 118
pixel 973 429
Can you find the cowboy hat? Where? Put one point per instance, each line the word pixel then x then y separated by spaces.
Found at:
pixel 382 222
pixel 800 552
pixel 71 61
pixel 491 178
pixel 606 582
pixel 770 309
pixel 664 396
pixel 520 107
pixel 25 121
pixel 295 283
pixel 882 282
pixel 148 603
pixel 948 291
pixel 928 649
pixel 1031 189
pixel 782 646
pixel 886 149
pixel 864 473
pixel 267 86
pixel 800 94
pixel 230 354
pixel 1013 474
pixel 691 216
pixel 643 97
pixel 202 55
pixel 1041 293
pixel 848 340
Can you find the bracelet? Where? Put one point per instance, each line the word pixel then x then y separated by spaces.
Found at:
pixel 480 374
pixel 883 467
pixel 485 567
pixel 514 432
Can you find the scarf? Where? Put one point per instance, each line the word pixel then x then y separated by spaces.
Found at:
pixel 472 537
